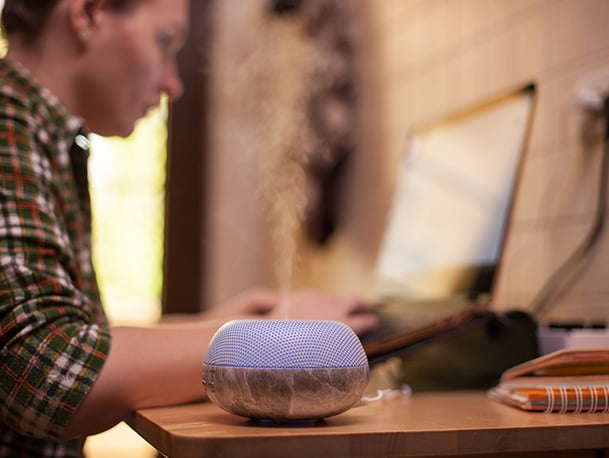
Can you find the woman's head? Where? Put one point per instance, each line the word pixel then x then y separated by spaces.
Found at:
pixel 27 18
pixel 108 60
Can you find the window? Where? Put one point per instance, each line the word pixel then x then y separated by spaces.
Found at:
pixel 127 192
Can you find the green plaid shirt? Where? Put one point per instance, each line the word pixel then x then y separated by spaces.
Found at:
pixel 54 336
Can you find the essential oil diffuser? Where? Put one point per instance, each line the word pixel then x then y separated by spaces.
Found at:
pixel 285 369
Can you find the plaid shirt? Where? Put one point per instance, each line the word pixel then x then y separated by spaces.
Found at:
pixel 54 336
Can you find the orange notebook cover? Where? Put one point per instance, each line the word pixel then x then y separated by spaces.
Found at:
pixel 570 380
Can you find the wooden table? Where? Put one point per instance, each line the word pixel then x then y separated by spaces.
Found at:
pixel 445 424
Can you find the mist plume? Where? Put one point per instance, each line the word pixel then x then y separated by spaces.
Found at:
pixel 268 90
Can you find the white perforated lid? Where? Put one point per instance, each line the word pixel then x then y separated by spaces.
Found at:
pixel 286 344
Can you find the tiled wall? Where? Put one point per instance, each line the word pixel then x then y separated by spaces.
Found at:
pixel 422 59
pixel 435 56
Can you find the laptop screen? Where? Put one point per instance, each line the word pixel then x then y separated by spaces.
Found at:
pixel 454 193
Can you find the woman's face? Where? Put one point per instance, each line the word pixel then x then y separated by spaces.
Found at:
pixel 130 61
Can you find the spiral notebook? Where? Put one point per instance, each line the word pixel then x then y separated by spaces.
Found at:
pixel 444 238
pixel 570 380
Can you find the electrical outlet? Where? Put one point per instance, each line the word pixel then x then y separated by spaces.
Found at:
pixel 592 90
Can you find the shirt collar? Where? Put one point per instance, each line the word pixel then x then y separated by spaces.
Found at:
pixel 43 103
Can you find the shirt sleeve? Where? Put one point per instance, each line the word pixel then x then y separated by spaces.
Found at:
pixel 51 346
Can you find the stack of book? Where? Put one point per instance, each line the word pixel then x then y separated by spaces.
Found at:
pixel 570 380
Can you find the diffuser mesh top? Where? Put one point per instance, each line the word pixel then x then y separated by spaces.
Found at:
pixel 286 344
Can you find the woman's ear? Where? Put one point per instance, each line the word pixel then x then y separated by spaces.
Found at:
pixel 84 16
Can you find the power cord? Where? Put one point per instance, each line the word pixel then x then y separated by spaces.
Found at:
pixel 388 394
pixel 542 300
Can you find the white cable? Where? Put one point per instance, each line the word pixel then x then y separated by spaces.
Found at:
pixel 389 394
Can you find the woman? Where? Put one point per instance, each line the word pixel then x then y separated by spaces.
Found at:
pixel 75 66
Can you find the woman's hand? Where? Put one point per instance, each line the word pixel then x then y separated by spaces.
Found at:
pixel 302 305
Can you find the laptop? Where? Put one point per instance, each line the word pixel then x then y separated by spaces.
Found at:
pixel 441 251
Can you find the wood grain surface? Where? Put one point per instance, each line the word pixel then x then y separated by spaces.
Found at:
pixel 447 424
